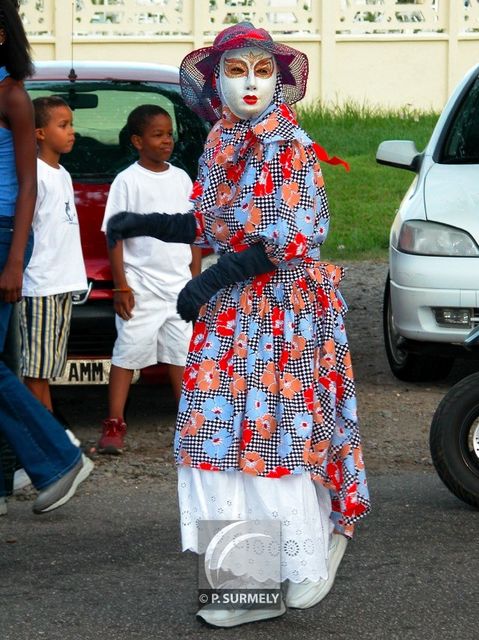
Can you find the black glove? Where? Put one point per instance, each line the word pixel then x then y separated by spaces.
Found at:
pixel 230 268
pixel 176 227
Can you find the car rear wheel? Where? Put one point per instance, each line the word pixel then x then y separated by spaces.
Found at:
pixel 410 367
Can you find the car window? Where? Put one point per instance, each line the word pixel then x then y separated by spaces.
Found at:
pixel 100 109
pixel 462 142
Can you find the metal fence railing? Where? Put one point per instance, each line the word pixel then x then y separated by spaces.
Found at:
pixel 436 40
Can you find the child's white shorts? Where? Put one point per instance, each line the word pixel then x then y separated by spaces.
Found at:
pixel 155 333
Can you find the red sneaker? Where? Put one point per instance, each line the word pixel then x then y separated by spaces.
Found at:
pixel 111 441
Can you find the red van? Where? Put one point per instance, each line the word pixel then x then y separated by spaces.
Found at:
pixel 102 94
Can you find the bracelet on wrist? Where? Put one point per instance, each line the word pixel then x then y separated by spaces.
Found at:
pixel 122 290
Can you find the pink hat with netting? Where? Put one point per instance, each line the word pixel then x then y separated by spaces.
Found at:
pixel 197 79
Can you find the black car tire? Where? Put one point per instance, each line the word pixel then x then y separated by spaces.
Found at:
pixel 410 367
pixel 454 440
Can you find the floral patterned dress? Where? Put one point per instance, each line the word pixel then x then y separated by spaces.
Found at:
pixel 268 387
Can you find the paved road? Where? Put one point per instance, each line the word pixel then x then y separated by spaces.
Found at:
pixel 107 565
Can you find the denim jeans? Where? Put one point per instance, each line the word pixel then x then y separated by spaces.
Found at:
pixel 12 357
pixel 39 441
pixel 12 349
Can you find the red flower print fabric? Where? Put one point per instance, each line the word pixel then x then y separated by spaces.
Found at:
pixel 268 387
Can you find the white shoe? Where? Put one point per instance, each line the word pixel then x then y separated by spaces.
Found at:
pixel 73 439
pixel 3 506
pixel 235 617
pixel 21 480
pixel 58 493
pixel 306 594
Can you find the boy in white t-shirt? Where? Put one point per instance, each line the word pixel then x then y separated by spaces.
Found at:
pixel 147 273
pixel 56 267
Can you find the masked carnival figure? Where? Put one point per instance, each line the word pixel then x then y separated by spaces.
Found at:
pixel 267 428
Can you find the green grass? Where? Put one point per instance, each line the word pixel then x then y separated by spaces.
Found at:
pixel 363 202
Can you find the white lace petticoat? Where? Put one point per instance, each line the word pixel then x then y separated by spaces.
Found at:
pixel 301 505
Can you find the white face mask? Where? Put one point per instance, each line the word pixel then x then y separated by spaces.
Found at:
pixel 247 81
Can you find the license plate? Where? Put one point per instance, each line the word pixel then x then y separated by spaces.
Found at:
pixel 87 372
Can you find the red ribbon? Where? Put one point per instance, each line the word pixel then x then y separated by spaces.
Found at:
pixel 324 157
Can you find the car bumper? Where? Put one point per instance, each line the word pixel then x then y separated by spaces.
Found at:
pixel 421 285
pixel 92 330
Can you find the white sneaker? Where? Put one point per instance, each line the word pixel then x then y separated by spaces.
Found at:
pixel 58 493
pixel 235 617
pixel 3 506
pixel 73 439
pixel 21 480
pixel 306 594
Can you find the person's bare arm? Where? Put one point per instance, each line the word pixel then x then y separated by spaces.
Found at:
pixel 123 297
pixel 19 111
pixel 195 266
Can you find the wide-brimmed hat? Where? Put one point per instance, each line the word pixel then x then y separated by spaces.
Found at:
pixel 197 81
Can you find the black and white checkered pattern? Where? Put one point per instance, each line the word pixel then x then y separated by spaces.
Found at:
pixel 238 211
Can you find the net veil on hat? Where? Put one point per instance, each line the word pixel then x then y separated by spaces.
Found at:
pixel 197 78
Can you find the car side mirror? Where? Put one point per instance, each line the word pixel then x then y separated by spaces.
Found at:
pixel 399 153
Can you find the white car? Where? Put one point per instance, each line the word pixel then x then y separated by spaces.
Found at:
pixel 431 299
